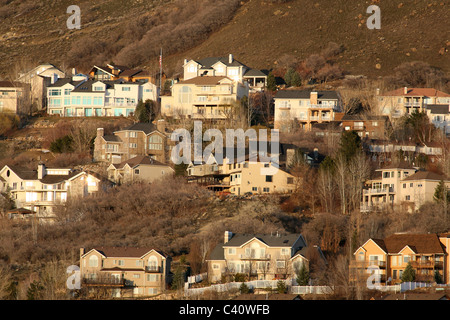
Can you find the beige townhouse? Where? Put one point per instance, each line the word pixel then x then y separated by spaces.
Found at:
pixel 139 168
pixel 139 139
pixel 428 254
pixel 44 189
pixel 400 185
pixel 406 100
pixel 303 109
pixel 439 115
pixel 258 256
pixel 125 271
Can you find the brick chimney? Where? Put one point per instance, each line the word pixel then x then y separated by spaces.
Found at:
pixel 82 251
pixel 227 236
pixel 313 97
pixel 41 171
pixel 161 125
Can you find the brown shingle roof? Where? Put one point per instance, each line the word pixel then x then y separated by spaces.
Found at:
pixel 420 243
pixel 425 175
pixel 417 92
pixel 139 160
pixel 212 81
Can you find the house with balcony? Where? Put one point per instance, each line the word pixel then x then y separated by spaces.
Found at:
pixel 302 109
pixel 139 139
pixel 406 100
pixel 111 72
pixel 126 271
pixel 82 97
pixel 45 189
pixel 258 256
pixel 439 115
pixel 427 253
pixel 400 185
pixel 367 126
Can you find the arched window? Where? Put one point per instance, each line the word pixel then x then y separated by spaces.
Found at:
pixel 93 261
pixel 152 263
pixel 185 94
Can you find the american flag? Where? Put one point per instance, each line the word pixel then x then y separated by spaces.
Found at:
pixel 160 61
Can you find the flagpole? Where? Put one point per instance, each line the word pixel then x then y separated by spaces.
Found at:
pixel 160 72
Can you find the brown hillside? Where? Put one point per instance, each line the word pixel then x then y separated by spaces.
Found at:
pixel 259 33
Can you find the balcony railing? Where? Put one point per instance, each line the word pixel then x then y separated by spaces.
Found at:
pixel 153 269
pixel 367 263
pixel 427 264
pixel 104 280
pixel 255 257
pixel 378 190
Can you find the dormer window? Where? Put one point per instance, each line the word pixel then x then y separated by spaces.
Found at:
pixel 98 88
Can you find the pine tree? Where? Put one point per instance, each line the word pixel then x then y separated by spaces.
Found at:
pixel 271 82
pixel 409 274
pixel 302 276
pixel 441 192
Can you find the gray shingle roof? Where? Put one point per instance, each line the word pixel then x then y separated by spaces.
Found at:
pixel 305 94
pixel 438 108
pixel 141 126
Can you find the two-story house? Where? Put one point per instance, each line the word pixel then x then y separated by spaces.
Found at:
pixel 367 126
pixel 439 115
pixel 139 139
pixel 388 257
pixel 80 97
pixel 44 189
pixel 400 185
pixel 115 72
pixel 259 256
pixel 127 271
pixel 406 100
pixel 139 168
pixel 302 108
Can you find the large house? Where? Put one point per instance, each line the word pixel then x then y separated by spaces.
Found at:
pixel 79 96
pixel 39 78
pixel 303 109
pixel 14 97
pixel 427 253
pixel 406 100
pixel 259 256
pixel 400 185
pixel 127 271
pixel 139 139
pixel 116 72
pixel 139 168
pixel 439 115
pixel 44 189
pixel 210 87
pixel 367 126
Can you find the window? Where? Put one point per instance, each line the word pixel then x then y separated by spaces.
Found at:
pixel 411 185
pixel 419 185
pixel 233 72
pixel 407 198
pixel 394 274
pixel 87 100
pixel 285 251
pixel 98 101
pixel 152 277
pixel 54 92
pixel 404 186
pixel 216 266
pixel 152 291
pixel 93 261
pixel 290 180
pixel 266 189
pixel 281 264
pixel 254 189
pixel 231 250
pixel 185 95
pixel 136 171
pixel 406 259
pixel 269 178
pixel 126 89
pixel 136 276
pixel 133 145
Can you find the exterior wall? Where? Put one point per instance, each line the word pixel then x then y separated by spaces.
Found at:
pixel 139 273
pixel 13 99
pixel 146 173
pixel 303 112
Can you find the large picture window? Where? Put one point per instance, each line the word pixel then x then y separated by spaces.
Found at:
pixel 185 94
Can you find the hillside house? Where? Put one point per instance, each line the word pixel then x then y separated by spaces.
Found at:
pixel 400 185
pixel 139 168
pixel 439 115
pixel 139 139
pixel 259 256
pixel 406 100
pixel 127 271
pixel 303 109
pixel 44 189
pixel 427 253
pixel 15 97
pixel 79 97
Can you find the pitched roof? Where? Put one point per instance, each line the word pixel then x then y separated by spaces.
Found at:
pixel 139 160
pixel 125 252
pixel 146 127
pixel 255 73
pixel 207 80
pixel 399 165
pixel 271 296
pixel 420 243
pixel 415 296
pixel 360 117
pixel 425 175
pixel 63 81
pixel 306 94
pixel 112 138
pixel 210 61
pixel 12 84
pixel 417 92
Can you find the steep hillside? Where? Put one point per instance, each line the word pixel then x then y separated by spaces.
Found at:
pixel 257 32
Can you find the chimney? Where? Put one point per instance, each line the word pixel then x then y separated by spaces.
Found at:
pixel 230 58
pixel 378 91
pixel 405 90
pixel 316 153
pixel 41 171
pixel 185 61
pixel 228 236
pixel 100 132
pixel 313 97
pixel 74 71
pixel 54 78
pixel 161 125
pixel 82 251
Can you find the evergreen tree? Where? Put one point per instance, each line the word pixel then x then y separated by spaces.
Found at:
pixel 142 113
pixel 244 288
pixel 271 82
pixel 441 192
pixel 281 286
pixel 437 277
pixel 350 144
pixel 409 274
pixel 302 276
pixel 292 78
